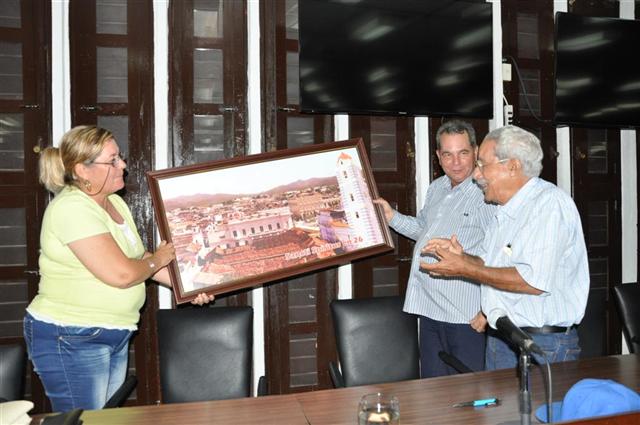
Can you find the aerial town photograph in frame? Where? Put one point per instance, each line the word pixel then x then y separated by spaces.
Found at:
pixel 249 220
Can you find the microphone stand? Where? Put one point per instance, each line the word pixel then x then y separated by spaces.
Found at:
pixel 524 362
pixel 524 395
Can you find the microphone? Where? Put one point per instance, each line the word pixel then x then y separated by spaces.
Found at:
pixel 454 362
pixel 517 336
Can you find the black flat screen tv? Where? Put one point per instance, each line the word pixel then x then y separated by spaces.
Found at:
pixel 597 71
pixel 396 57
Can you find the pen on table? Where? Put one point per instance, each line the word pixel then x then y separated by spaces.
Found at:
pixel 478 403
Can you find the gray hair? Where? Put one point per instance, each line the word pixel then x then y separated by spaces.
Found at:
pixel 515 143
pixel 456 127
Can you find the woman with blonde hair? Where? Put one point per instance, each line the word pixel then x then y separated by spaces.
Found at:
pixel 93 267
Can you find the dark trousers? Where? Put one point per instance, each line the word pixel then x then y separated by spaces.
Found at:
pixel 459 340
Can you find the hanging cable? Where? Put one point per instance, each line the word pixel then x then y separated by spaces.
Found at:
pixel 524 91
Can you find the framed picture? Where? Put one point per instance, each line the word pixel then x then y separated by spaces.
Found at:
pixel 261 218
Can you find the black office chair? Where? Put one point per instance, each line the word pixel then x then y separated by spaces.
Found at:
pixel 377 342
pixel 12 371
pixel 205 353
pixel 122 394
pixel 628 302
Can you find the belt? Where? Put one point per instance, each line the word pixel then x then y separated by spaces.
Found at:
pixel 547 329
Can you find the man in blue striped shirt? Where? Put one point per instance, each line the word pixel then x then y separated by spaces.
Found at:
pixel 448 308
pixel 533 262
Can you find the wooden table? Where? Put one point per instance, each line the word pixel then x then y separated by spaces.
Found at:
pixel 431 400
pixel 421 401
pixel 281 409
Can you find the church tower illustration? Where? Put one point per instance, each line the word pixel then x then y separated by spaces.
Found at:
pixel 357 204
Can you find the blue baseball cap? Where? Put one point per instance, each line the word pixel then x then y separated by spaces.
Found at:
pixel 592 397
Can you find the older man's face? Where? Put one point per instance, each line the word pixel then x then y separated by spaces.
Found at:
pixel 491 173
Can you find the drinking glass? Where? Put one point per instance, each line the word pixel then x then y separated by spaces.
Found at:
pixel 379 408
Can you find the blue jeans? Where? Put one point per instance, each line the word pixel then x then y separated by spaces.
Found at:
pixel 79 367
pixel 558 347
pixel 458 339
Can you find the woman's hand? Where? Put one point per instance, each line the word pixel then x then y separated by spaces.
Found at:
pixel 164 254
pixel 202 299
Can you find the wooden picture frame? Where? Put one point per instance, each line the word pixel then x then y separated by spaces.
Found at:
pixel 245 221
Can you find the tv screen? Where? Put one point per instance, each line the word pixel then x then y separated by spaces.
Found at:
pixel 597 71
pixel 390 57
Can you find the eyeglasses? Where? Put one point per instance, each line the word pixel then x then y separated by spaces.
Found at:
pixel 114 162
pixel 480 165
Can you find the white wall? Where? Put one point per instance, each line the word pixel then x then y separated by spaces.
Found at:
pixel 628 172
pixel 255 144
pixel 60 74
pixel 345 283
pixel 629 210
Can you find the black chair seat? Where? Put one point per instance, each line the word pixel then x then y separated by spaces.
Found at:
pixel 377 342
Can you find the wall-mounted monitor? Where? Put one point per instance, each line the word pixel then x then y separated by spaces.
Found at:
pixel 396 57
pixel 597 71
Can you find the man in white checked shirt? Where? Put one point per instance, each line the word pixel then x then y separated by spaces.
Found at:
pixel 533 262
pixel 449 309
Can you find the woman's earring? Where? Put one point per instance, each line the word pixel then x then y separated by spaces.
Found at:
pixel 87 185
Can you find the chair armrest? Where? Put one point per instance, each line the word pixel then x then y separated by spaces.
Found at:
pixel 336 376
pixel 122 394
pixel 71 417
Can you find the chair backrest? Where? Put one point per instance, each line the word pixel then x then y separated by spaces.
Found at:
pixel 205 353
pixel 628 301
pixel 12 371
pixel 377 342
